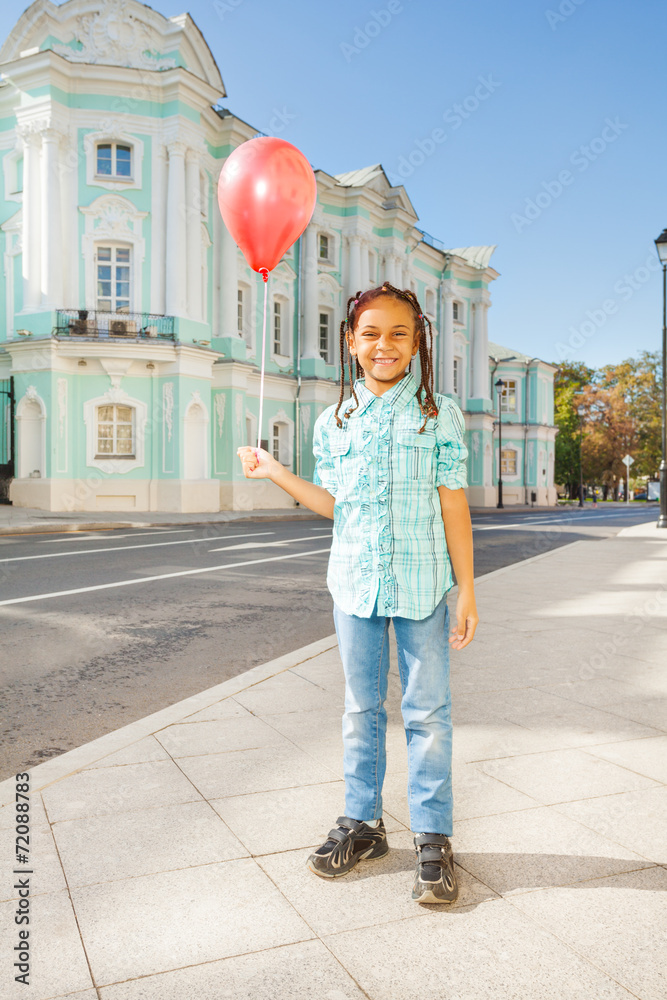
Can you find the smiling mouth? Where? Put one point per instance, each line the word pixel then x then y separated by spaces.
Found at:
pixel 385 361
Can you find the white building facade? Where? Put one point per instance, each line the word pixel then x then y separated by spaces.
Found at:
pixel 130 323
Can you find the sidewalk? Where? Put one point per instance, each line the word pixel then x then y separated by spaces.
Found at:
pixel 169 856
pixel 26 520
pixel 29 520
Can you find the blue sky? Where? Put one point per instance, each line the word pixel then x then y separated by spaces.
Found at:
pixel 556 151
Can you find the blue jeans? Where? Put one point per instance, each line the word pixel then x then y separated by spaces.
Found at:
pixel 423 663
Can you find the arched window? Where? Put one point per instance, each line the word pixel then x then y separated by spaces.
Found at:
pixel 31 440
pixel 113 160
pixel 115 431
pixel 429 303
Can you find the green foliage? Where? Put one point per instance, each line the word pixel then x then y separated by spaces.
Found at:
pixel 623 405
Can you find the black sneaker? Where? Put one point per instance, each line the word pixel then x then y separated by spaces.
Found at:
pixel 435 879
pixel 351 841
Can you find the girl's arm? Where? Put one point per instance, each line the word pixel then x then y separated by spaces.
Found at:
pixel 259 464
pixel 458 533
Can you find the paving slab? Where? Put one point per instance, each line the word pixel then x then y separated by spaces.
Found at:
pixel 617 922
pixel 169 856
pixel 141 926
pixel 486 951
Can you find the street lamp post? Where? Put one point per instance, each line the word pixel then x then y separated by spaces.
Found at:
pixel 581 410
pixel 661 247
pixel 499 386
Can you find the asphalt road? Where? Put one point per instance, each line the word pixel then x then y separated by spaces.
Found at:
pixel 102 628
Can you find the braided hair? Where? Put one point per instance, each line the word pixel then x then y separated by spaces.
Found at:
pixel 355 304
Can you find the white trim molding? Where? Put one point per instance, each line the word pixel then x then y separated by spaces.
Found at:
pixel 286 445
pixel 114 219
pixel 115 466
pixel 113 133
pixel 27 403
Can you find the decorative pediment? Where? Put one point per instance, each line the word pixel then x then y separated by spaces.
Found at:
pixel 113 216
pixel 123 33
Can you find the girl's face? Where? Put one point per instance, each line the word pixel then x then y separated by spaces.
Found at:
pixel 384 341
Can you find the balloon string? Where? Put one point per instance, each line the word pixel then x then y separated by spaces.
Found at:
pixel 265 275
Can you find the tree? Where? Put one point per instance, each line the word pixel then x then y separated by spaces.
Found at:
pixel 571 377
pixel 623 416
pixel 640 382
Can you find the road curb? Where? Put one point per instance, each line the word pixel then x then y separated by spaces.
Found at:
pixel 75 760
pixel 58 527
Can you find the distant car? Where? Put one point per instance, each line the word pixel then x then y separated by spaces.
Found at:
pixel 640 496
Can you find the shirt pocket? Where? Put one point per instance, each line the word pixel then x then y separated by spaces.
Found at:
pixel 415 455
pixel 339 449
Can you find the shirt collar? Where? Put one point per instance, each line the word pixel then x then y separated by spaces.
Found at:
pixel 397 397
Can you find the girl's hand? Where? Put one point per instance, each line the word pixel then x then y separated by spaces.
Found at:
pixel 467 620
pixel 257 463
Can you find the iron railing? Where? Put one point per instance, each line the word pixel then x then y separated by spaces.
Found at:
pixel 100 324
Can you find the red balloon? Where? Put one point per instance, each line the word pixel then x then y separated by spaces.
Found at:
pixel 266 193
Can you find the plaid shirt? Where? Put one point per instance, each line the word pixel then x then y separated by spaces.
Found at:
pixel 388 535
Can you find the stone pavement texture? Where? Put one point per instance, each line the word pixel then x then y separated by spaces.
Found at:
pixel 169 856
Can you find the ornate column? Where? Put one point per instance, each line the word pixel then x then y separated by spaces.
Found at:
pixel 448 343
pixel 365 279
pixel 311 347
pixel 31 264
pixel 354 250
pixel 51 237
pixel 176 247
pixel 480 350
pixel 193 235
pixel 158 228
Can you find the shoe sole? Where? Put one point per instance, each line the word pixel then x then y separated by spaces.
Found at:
pixel 428 896
pixel 368 855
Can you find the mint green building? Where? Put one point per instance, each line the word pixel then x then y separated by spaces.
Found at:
pixel 130 323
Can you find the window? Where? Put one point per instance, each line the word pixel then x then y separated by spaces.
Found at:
pixel 508 396
pixel 115 438
pixel 323 247
pixel 325 337
pixel 239 313
pixel 508 462
pixel 113 160
pixel 275 444
pixel 280 442
pixel 113 279
pixel 456 314
pixel 430 302
pixel 277 328
pixel 456 376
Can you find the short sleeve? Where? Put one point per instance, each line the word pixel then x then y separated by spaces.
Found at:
pixel 324 474
pixel 452 452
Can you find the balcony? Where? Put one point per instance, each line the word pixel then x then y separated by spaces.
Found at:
pixel 98 324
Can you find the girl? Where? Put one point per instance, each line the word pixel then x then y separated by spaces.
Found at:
pixel 390 472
